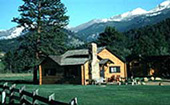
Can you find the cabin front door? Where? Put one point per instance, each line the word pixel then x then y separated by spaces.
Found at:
pixel 102 74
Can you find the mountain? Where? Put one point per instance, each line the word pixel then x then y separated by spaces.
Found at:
pixel 10 44
pixel 89 31
pixel 137 11
pixel 11 33
pixel 132 19
pixel 8 38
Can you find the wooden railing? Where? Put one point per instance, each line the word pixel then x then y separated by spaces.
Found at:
pixel 21 95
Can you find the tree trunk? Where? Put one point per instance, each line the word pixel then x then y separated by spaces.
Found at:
pixel 35 75
pixel 37 44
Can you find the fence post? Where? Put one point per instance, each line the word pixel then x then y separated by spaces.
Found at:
pixel 34 101
pixel 22 96
pixel 73 101
pixel 4 93
pixel 51 97
pixel 11 94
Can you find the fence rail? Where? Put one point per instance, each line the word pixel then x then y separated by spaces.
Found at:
pixel 11 91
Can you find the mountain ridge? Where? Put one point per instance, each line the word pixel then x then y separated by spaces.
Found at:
pixel 125 16
pixel 132 19
pixel 122 22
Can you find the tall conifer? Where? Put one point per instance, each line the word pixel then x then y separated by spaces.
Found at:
pixel 43 21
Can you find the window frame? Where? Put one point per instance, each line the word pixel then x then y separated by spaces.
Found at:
pixel 118 69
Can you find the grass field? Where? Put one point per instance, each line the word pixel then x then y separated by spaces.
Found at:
pixel 16 76
pixel 106 95
pixel 109 95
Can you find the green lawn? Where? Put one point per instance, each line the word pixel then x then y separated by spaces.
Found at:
pixel 100 95
pixel 16 76
pixel 109 95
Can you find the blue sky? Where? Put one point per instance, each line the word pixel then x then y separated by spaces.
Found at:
pixel 79 11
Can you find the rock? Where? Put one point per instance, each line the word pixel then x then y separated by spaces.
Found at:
pixel 143 83
pixel 132 83
pixel 146 79
pixel 160 84
pixel 119 83
pixel 152 78
pixel 139 83
pixel 158 79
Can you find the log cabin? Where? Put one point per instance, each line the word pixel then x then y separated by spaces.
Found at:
pixel 142 66
pixel 80 66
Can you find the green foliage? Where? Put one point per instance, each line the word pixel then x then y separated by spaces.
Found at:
pixel 147 41
pixel 115 41
pixel 43 21
pixel 2 67
pixel 109 36
pixel 35 14
pixel 150 40
pixel 11 44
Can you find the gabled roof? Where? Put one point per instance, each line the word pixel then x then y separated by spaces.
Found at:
pixel 104 61
pixel 76 57
pixel 57 59
pixel 99 49
pixel 72 57
pixel 78 52
pixel 73 61
pixel 102 48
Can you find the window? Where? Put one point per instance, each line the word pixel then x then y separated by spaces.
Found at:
pixel 136 64
pixel 115 69
pixel 50 72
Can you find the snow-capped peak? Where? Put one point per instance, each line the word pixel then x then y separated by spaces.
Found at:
pixel 11 33
pixel 17 32
pixel 2 30
pixel 124 16
pixel 138 11
pixel 128 15
pixel 165 3
pixel 160 7
pixel 85 25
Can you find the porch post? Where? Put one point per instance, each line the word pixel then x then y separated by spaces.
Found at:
pixel 125 67
pixel 82 75
pixel 40 75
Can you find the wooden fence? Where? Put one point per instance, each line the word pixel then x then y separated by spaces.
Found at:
pixel 21 95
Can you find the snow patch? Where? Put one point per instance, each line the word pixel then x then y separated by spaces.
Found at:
pixel 162 6
pixel 154 14
pixel 1 30
pixel 11 33
pixel 165 3
pixel 16 32
pixel 127 16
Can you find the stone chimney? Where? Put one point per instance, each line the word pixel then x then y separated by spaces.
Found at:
pixel 95 72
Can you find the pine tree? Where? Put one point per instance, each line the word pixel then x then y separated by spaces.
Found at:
pixel 114 40
pixel 43 20
pixel 109 36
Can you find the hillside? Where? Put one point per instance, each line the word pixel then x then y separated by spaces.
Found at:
pixel 10 44
pixel 8 40
pixel 151 39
